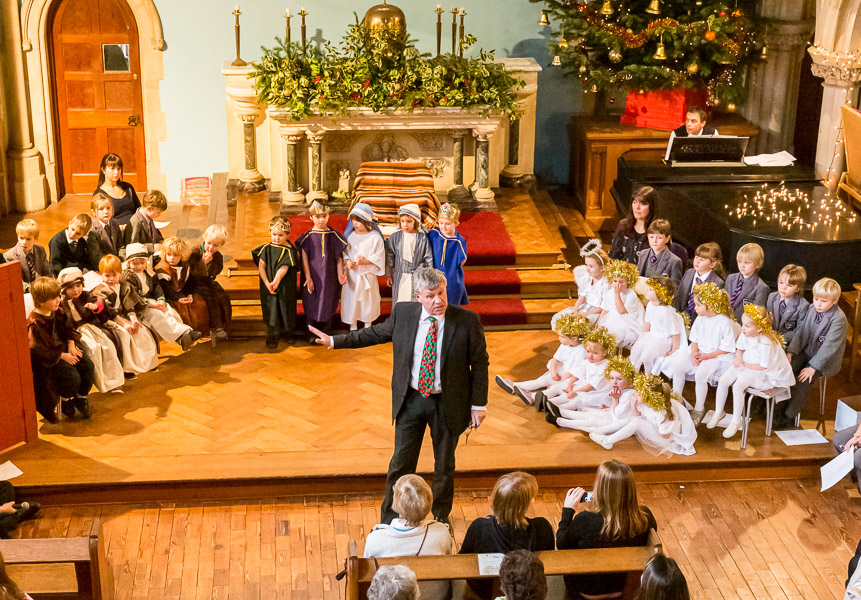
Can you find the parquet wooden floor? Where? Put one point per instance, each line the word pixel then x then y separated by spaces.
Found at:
pixel 778 540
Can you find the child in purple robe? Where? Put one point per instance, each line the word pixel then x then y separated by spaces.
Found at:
pixel 322 250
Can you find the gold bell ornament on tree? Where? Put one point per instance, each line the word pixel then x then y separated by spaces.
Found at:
pixel 730 107
pixel 660 53
pixel 563 43
pixel 543 19
pixel 654 7
pixel 556 61
pixel 763 54
pixel 607 8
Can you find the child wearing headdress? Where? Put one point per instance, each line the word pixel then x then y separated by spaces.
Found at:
pixel 449 253
pixel 760 363
pixel 208 254
pixel 712 346
pixel 278 265
pixel 591 283
pixel 787 305
pixel 407 249
pixel 588 384
pixel 322 250
pixel 621 310
pixel 364 260
pixel 663 327
pixel 658 419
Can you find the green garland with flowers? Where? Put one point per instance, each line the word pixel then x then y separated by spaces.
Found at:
pixel 379 70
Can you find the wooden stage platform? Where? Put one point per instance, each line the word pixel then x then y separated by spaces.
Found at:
pixel 241 421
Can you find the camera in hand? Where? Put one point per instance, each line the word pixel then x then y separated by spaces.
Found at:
pixel 587 497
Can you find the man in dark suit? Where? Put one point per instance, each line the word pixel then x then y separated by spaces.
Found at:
pixel 68 248
pixel 695 125
pixel 439 380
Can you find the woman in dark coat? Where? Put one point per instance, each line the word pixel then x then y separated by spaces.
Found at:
pixel 122 193
pixel 631 236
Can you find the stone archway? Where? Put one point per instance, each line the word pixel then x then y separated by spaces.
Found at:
pixel 35 44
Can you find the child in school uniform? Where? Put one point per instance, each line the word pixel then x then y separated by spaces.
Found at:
pixel 572 329
pixel 33 258
pixel 141 228
pixel 712 346
pixel 105 236
pixel 663 327
pixel 407 249
pixel 142 294
pixel 591 283
pixel 621 310
pixel 657 259
pixel 139 353
pixel 787 305
pixel 322 250
pixel 61 369
pixel 90 317
pixel 587 386
pixel 745 287
pixel 68 248
pixel 707 268
pixel 186 286
pixel 817 348
pixel 364 260
pixel 278 266
pixel 449 253
pixel 760 363
pixel 208 254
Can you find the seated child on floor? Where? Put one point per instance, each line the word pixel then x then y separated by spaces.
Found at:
pixel 745 287
pixel 787 305
pixel 449 253
pixel 760 363
pixel 588 386
pixel 61 369
pixel 90 317
pixel 141 228
pixel 209 255
pixel 143 295
pixel 407 249
pixel 572 329
pixel 621 310
pixel 663 327
pixel 33 258
pixel 591 283
pixel 658 419
pixel 187 287
pixel 707 268
pixel 68 248
pixel 364 260
pixel 278 265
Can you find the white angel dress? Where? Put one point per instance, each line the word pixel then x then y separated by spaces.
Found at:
pixel 360 297
pixel 626 327
pixel 587 288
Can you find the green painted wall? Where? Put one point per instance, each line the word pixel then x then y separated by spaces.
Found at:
pixel 199 35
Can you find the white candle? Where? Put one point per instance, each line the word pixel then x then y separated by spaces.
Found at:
pixel 287 14
pixel 236 8
pixel 439 6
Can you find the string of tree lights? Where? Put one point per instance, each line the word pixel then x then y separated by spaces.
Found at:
pixel 657 44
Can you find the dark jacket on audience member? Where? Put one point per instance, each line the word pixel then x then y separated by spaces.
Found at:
pixel 626 245
pixel 64 255
pixel 584 531
pixel 686 288
pixel 105 239
pixel 668 265
pixel 487 535
pixel 793 315
pixel 142 230
pixel 753 291
pixel 43 267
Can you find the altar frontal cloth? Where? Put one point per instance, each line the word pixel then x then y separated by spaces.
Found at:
pixel 386 186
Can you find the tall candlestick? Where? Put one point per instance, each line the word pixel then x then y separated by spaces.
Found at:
pixel 462 14
pixel 238 62
pixel 287 17
pixel 438 12
pixel 303 13
pixel 453 30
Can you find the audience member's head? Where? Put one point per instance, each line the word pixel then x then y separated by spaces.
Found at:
pixel 663 580
pixel 8 589
pixel 521 576
pixel 511 497
pixel 412 499
pixel 395 582
pixel 615 498
pixel 27 231
pixel 643 205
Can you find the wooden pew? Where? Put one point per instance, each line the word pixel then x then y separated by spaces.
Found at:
pixel 61 567
pixel 360 571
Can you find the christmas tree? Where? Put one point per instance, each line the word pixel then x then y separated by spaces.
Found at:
pixel 657 44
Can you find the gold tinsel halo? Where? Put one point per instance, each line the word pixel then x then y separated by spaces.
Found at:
pixel 603 337
pixel 573 326
pixel 622 365
pixel 760 317
pixel 713 298
pixel 620 269
pixel 663 293
pixel 653 398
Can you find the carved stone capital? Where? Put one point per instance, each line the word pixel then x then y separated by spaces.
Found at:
pixel 315 137
pixel 837 69
pixel 292 137
pixel 482 135
pixel 789 35
pixel 247 117
pixel 459 133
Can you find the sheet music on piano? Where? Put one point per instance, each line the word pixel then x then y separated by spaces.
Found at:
pixel 708 151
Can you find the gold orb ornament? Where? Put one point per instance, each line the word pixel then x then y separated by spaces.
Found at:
pixel 386 16
pixel 583 69
pixel 693 68
pixel 594 88
pixel 730 107
pixel 615 56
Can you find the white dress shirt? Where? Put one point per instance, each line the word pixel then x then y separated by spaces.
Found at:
pixel 419 347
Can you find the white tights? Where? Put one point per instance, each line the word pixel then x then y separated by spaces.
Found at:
pixel 638 426
pixel 536 384
pixel 591 421
pixel 647 352
pixel 740 380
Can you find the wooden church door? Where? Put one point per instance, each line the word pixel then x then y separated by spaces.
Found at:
pixel 97 87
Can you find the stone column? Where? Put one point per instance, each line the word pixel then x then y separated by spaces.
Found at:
pixel 250 179
pixel 482 162
pixel 291 192
pixel 841 72
pixel 458 192
pixel 316 174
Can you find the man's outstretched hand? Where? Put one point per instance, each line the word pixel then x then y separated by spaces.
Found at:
pixel 322 338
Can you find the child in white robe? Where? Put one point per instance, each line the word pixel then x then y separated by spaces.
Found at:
pixel 588 386
pixel 760 363
pixel 621 308
pixel 662 330
pixel 591 283
pixel 364 260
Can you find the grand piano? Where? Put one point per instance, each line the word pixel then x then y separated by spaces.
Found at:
pixel 786 210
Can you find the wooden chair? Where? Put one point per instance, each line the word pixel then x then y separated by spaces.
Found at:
pixel 630 560
pixel 68 567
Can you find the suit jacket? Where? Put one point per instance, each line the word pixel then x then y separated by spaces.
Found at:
pixel 105 239
pixel 62 254
pixel 43 267
pixel 824 342
pixel 143 232
pixel 683 291
pixel 464 361
pixel 683 131
pixel 668 264
pixel 787 324
pixel 753 291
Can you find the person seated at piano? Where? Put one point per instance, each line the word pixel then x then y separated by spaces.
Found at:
pixel 631 237
pixel 657 260
pixel 695 125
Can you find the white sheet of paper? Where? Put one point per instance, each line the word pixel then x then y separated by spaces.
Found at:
pixel 91 280
pixel 801 437
pixel 488 564
pixel 837 468
pixel 778 159
pixel 28 304
pixel 846 416
pixel 9 471
pixel 161 224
